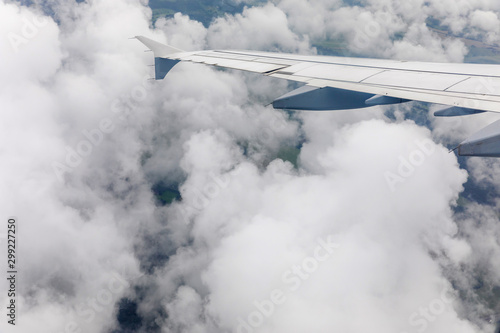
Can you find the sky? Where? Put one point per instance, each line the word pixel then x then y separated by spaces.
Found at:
pixel 376 227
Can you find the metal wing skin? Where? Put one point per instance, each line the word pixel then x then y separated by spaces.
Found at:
pixel 339 83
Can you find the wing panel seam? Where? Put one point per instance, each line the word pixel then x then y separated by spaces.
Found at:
pixel 384 68
pixel 457 83
pixel 370 76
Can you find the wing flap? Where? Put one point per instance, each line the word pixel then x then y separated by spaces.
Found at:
pixel 478 85
pixel 234 61
pixel 418 80
pixel 338 72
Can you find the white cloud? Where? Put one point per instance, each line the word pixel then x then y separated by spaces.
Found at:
pixel 282 214
pixel 24 33
pixel 180 27
pixel 485 20
pixel 257 28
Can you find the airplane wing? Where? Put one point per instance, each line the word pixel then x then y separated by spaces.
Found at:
pixel 339 83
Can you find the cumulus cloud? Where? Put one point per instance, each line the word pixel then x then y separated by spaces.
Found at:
pixel 257 28
pixel 485 20
pixel 321 208
pixel 359 221
pixel 179 28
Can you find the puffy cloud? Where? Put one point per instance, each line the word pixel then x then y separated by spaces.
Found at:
pixel 258 236
pixel 25 33
pixel 488 23
pixel 485 20
pixel 181 27
pixel 257 28
pixel 380 28
pixel 318 15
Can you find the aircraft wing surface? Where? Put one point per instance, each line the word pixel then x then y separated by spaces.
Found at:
pixel 339 83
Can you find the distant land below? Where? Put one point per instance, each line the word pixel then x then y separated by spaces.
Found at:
pixel 479 52
pixel 205 11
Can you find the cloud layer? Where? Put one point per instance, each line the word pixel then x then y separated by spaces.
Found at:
pixel 283 222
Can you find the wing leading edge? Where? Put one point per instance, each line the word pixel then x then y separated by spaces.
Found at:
pixel 338 83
